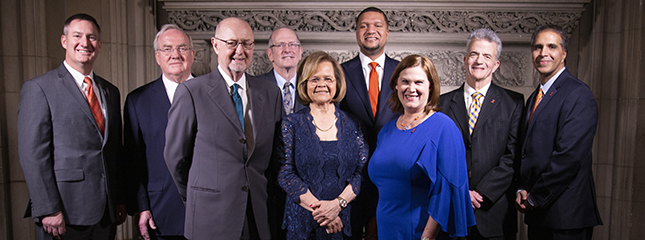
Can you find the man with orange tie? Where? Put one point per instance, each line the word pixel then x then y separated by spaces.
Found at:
pixel 367 76
pixel 554 169
pixel 69 141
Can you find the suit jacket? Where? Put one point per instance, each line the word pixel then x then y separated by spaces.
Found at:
pixel 357 100
pixel 206 153
pixel 555 158
pixel 297 106
pixel 490 154
pixel 145 118
pixel 64 157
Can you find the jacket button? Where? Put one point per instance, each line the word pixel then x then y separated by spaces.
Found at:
pixel 245 189
pixel 242 140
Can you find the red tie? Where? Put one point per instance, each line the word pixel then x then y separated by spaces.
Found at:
pixel 94 105
pixel 537 101
pixel 373 88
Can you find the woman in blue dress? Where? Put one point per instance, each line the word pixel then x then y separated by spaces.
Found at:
pixel 322 153
pixel 419 165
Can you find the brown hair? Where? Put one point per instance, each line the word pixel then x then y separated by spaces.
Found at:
pixel 308 67
pixel 433 78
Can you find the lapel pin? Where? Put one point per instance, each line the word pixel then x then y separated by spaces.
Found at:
pixel 492 101
pixel 550 94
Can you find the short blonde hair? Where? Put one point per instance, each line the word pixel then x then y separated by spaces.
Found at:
pixel 431 72
pixel 308 67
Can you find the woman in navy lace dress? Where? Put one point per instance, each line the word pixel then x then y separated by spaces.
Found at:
pixel 322 155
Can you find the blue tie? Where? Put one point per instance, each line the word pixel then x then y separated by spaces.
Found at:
pixel 237 100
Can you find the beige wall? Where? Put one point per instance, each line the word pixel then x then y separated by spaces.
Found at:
pixel 605 52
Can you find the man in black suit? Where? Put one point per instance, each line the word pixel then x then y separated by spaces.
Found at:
pixel 368 77
pixel 159 209
pixel 285 51
pixel 488 117
pixel 69 142
pixel 554 171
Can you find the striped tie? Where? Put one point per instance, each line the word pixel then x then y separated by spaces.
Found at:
pixel 94 105
pixel 474 111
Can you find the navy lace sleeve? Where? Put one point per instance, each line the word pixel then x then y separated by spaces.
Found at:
pixel 287 176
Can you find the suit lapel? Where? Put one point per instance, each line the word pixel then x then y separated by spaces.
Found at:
pixel 458 109
pixel 220 95
pixel 358 83
pixel 256 96
pixel 67 81
pixel 488 106
pixel 384 95
pixel 546 98
pixel 159 97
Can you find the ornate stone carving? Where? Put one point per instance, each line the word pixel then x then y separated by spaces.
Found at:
pixel 517 22
pixel 201 65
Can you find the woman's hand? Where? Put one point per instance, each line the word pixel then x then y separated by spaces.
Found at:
pixel 325 211
pixel 334 226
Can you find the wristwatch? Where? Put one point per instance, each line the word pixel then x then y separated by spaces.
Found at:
pixel 342 202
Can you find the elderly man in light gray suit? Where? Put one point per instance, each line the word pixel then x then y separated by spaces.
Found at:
pixel 69 140
pixel 219 141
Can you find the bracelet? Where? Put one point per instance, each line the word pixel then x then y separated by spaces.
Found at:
pixel 425 238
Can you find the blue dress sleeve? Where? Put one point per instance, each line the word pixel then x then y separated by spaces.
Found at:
pixel 287 176
pixel 443 159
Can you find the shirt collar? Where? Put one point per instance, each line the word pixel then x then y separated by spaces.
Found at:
pixel 470 90
pixel 280 80
pixel 545 87
pixel 365 60
pixel 229 80
pixel 78 76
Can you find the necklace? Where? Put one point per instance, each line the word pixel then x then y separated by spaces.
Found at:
pixel 324 130
pixel 407 127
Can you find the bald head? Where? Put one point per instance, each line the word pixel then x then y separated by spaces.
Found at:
pixel 233 44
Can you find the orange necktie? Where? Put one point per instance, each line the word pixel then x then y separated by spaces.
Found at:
pixel 373 88
pixel 94 105
pixel 537 101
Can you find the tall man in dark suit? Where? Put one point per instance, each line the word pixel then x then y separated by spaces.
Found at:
pixel 556 185
pixel 159 209
pixel 488 117
pixel 69 140
pixel 219 141
pixel 285 51
pixel 368 77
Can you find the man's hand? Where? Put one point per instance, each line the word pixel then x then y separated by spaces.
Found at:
pixel 325 211
pixel 334 226
pixel 521 201
pixel 476 199
pixel 144 219
pixel 121 214
pixel 54 224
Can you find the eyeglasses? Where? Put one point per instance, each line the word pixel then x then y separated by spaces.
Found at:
pixel 169 50
pixel 284 44
pixel 232 44
pixel 316 80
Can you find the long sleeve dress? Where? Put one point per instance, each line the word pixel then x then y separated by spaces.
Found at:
pixel 421 172
pixel 323 167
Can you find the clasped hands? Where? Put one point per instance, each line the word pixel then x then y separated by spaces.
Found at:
pixel 522 201
pixel 325 212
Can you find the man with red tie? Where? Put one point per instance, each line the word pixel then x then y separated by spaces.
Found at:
pixel 368 76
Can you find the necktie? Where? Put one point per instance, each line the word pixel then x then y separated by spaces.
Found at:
pixel 237 100
pixel 474 111
pixel 537 101
pixel 94 105
pixel 373 88
pixel 286 101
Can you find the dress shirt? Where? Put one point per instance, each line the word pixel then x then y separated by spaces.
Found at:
pixel 79 78
pixel 171 86
pixel 468 94
pixel 280 81
pixel 242 90
pixel 365 65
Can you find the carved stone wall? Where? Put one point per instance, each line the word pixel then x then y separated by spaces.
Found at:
pixel 434 29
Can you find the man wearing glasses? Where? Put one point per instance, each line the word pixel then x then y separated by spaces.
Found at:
pixel 156 202
pixel 219 141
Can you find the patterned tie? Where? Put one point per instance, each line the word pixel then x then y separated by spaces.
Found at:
pixel 94 105
pixel 373 88
pixel 474 111
pixel 286 101
pixel 537 101
pixel 237 100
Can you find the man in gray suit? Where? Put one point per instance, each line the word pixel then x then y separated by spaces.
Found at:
pixel 219 141
pixel 69 138
pixel 488 117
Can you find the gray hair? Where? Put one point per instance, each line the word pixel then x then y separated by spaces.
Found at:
pixel 283 27
pixel 488 35
pixel 167 27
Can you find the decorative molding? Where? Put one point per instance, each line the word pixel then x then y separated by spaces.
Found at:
pixel 201 65
pixel 448 21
